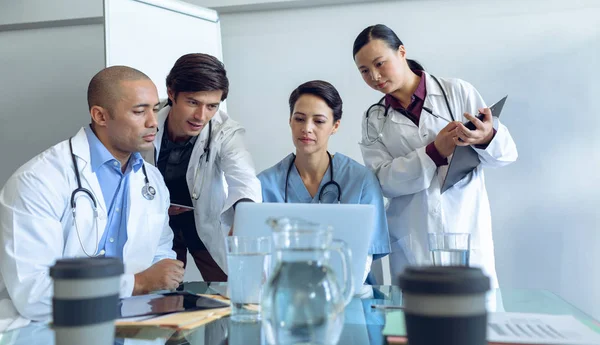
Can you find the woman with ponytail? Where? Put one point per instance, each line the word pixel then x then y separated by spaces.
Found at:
pixel 408 140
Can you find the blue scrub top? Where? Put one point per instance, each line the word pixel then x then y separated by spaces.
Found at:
pixel 359 186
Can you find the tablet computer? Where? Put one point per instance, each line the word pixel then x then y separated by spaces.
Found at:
pixel 166 303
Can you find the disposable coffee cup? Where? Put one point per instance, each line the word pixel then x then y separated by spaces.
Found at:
pixel 85 302
pixel 445 305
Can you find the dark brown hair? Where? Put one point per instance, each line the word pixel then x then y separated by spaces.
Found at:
pixel 323 90
pixel 198 72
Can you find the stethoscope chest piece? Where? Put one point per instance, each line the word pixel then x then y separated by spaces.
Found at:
pixel 148 192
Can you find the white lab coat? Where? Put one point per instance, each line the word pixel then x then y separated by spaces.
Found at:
pixel 36 228
pixel 412 182
pixel 227 177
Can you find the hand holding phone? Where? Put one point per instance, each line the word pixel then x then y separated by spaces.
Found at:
pixel 477 131
pixel 470 125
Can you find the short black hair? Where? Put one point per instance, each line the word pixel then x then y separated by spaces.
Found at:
pixel 382 32
pixel 198 72
pixel 323 90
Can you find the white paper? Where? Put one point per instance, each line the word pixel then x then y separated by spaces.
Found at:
pixel 519 328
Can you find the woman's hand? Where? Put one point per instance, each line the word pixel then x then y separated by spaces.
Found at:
pixel 445 140
pixel 483 133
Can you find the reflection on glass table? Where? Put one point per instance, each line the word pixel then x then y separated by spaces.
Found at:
pixel 363 323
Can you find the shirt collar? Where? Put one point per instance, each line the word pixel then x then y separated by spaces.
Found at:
pixel 167 143
pixel 136 161
pixel 420 93
pixel 99 154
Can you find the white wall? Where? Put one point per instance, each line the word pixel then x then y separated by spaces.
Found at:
pixel 45 73
pixel 48 53
pixel 544 54
pixel 27 11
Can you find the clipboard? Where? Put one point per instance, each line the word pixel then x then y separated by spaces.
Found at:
pixel 465 158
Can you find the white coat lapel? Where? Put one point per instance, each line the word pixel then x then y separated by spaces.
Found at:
pixel 85 219
pixel 137 205
pixel 89 180
pixel 435 98
pixel 196 174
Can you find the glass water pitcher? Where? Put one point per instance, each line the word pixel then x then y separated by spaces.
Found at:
pixel 303 303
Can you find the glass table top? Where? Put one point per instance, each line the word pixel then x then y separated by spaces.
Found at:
pixel 363 323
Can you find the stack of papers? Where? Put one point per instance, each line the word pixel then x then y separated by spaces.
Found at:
pixel 516 328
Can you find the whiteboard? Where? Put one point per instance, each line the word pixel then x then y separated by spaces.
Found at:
pixel 150 35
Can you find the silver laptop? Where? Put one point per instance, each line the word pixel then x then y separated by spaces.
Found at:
pixel 352 223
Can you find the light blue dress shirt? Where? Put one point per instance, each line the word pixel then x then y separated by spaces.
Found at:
pixel 359 186
pixel 115 190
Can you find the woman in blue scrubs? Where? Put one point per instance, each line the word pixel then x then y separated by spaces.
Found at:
pixel 303 177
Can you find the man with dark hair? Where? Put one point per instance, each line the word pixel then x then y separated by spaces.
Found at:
pixel 202 157
pixel 90 195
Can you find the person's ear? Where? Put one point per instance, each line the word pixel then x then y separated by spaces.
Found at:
pixel 336 126
pixel 100 116
pixel 171 95
pixel 401 53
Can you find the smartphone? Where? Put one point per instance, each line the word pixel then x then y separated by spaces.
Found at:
pixel 470 125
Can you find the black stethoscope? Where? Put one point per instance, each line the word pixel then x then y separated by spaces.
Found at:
pixel 148 192
pixel 331 182
pixel 387 107
pixel 206 153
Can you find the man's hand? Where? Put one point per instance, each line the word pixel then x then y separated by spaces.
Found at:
pixel 444 141
pixel 483 133
pixel 163 275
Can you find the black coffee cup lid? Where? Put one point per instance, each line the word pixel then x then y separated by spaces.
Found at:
pixel 451 280
pixel 87 268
